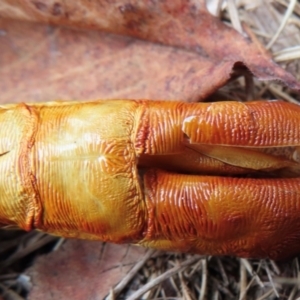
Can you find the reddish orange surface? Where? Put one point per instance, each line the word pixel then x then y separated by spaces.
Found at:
pixel 89 170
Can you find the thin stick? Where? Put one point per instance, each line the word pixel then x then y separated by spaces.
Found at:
pixel 234 16
pixel 138 294
pixel 251 272
pixel 204 279
pixel 285 19
pixel 291 53
pixel 282 94
pixel 293 292
pixel 222 272
pixel 271 280
pixel 266 295
pixel 243 281
pixel 254 278
pixel 127 278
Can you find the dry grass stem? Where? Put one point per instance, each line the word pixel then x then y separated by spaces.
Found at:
pixel 243 281
pixel 280 94
pixel 270 276
pixel 204 279
pixel 234 16
pixel 124 282
pixel 283 23
pixel 288 54
pixel 266 295
pixel 139 293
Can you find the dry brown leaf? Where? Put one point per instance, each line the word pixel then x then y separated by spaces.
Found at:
pixel 111 67
pixel 44 63
pixel 82 270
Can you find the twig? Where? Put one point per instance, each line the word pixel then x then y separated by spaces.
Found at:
pixel 159 279
pixel 291 53
pixel 266 295
pixel 234 16
pixel 243 281
pixel 204 279
pixel 126 279
pixel 285 19
pixel 271 280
